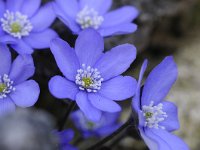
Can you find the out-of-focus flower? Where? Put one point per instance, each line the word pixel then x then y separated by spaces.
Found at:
pixel 157 117
pixel 79 15
pixel 27 129
pixel 108 124
pixel 92 78
pixel 15 89
pixel 25 26
pixel 65 137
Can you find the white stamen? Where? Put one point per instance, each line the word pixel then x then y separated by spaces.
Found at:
pixel 16 24
pixel 153 115
pixel 6 86
pixel 88 17
pixel 88 79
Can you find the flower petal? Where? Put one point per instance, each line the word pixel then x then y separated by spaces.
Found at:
pixel 26 94
pixel 76 117
pixel 110 118
pixel 21 47
pixel 159 81
pixel 106 130
pixel 43 18
pixel 22 69
pixel 118 88
pixel 7 39
pixel 89 46
pixel 62 88
pixel 103 103
pixel 170 123
pixel 29 7
pixel 91 113
pixel 165 140
pixel 40 40
pixel 122 15
pixel 118 29
pixel 116 61
pixel 137 97
pixel 1 32
pixel 66 136
pixel 101 6
pixel 5 58
pixel 2 8
pixel 69 7
pixel 6 106
pixel 152 145
pixel 65 57
pixel 68 21
pixel 14 5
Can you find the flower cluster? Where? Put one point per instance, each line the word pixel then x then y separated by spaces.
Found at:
pixel 92 79
pixel 24 25
pixel 78 15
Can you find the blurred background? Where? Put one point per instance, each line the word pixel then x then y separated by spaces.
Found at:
pixel 165 27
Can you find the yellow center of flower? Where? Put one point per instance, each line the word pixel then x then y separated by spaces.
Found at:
pixel 148 115
pixel 15 27
pixel 87 81
pixel 90 125
pixel 2 87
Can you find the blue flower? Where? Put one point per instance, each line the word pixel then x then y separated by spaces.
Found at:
pixel 65 137
pixel 158 117
pixel 15 89
pixel 25 26
pixel 92 78
pixel 108 124
pixel 82 14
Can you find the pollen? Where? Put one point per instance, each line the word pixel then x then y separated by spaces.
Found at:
pixel 15 27
pixel 88 79
pixel 16 24
pixel 88 17
pixel 6 86
pixel 2 87
pixel 148 115
pixel 153 115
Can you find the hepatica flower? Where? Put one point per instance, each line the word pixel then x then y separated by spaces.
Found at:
pixel 15 89
pixel 25 25
pixel 92 78
pixel 107 124
pixel 64 138
pixel 158 117
pixel 82 14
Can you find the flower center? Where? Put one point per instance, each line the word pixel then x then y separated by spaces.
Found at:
pixel 88 17
pixel 148 114
pixel 5 86
pixel 88 79
pixel 2 87
pixel 90 125
pixel 16 24
pixel 153 115
pixel 15 27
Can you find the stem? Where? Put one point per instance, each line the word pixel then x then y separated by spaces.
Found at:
pixel 109 137
pixel 69 109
